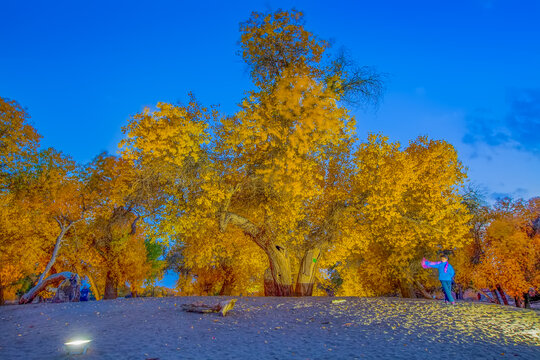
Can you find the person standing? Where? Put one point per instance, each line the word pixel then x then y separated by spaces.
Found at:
pixel 446 273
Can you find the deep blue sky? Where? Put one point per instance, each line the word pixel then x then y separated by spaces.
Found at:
pixel 464 71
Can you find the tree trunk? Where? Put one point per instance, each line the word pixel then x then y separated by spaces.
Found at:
pixel 69 290
pixel 495 296
pixel 53 279
pixel 228 283
pixel 459 292
pixel 278 258
pixel 503 295
pixel 94 287
pixel 527 300
pixel 306 273
pixel 490 298
pixel 406 289
pixel 519 301
pixel 110 288
pixel 269 284
pixel 2 300
pixel 423 290
pixel 280 268
pixel 57 245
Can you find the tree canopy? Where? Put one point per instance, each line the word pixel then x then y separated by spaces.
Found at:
pixel 282 197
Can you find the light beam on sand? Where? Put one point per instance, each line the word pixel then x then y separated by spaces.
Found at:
pixel 77 346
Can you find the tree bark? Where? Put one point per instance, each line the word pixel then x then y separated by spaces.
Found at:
pixel 269 284
pixel 110 288
pixel 519 301
pixel 495 296
pixel 459 292
pixel 278 258
pixel 94 288
pixel 280 268
pixel 487 296
pixel 228 283
pixel 53 279
pixel 57 245
pixel 406 289
pixel 503 295
pixel 2 300
pixel 306 273
pixel 423 290
pixel 527 300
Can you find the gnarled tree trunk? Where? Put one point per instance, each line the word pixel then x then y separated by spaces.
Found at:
pixel 278 257
pixel 51 280
pixel 306 273
pixel 280 268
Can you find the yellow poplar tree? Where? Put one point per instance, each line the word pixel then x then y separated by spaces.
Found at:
pixel 407 206
pixel 509 255
pixel 19 249
pixel 282 170
pixel 111 248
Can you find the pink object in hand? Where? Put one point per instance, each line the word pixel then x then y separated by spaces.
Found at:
pixel 424 263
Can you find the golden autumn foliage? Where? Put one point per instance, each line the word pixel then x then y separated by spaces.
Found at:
pixel 283 171
pixel 19 248
pixel 506 252
pixel 111 248
pixel 407 206
pixel 279 198
pixel 18 142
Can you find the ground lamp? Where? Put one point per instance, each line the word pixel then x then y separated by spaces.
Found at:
pixel 77 347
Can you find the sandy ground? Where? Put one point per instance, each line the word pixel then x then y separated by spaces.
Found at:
pixel 271 328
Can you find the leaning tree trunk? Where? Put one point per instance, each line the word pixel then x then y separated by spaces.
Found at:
pixel 110 288
pixel 495 296
pixel 63 230
pixel 93 287
pixel 490 298
pixel 53 279
pixel 423 290
pixel 503 295
pixel 306 273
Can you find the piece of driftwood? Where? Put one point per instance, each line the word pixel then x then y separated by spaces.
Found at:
pixel 67 291
pixel 222 307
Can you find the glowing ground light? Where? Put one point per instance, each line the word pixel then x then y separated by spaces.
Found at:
pixel 77 346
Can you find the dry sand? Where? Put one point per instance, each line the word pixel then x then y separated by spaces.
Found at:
pixel 271 328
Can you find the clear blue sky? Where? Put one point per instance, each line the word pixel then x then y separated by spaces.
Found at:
pixel 467 71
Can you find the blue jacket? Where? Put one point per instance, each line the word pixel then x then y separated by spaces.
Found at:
pixel 446 271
